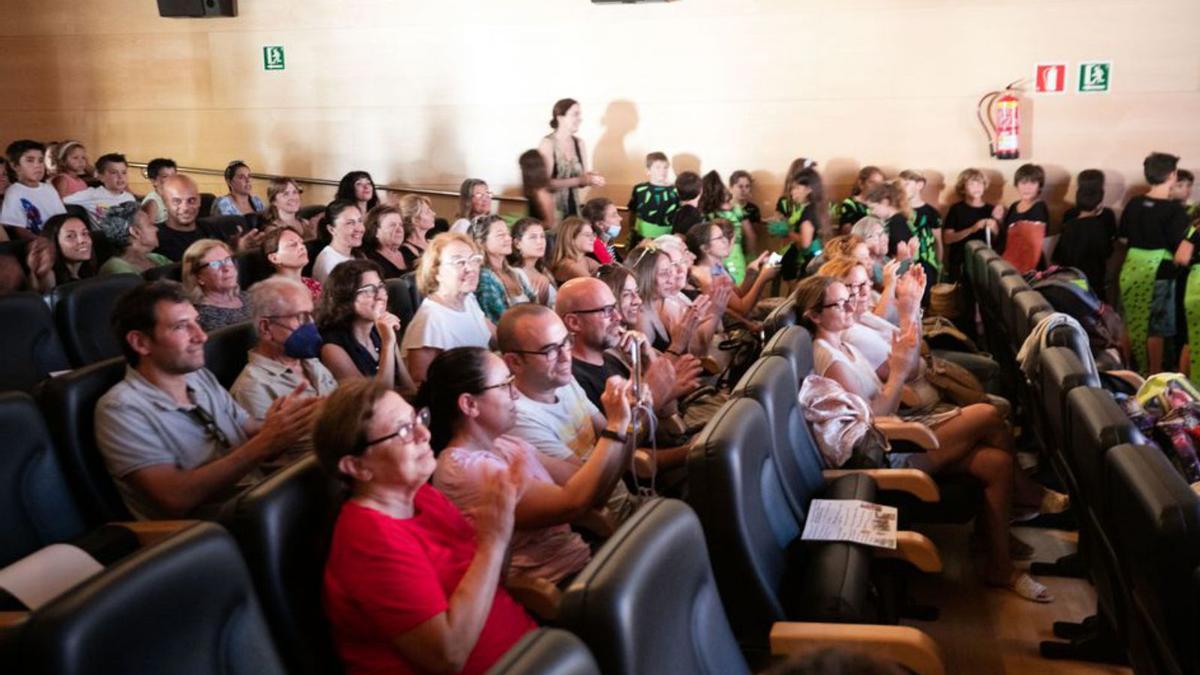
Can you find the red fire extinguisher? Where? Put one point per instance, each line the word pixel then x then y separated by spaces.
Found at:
pixel 999 114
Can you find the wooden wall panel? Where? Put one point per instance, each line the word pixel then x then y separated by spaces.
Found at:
pixel 426 93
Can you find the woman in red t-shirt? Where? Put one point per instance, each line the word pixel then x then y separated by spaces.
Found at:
pixel 410 585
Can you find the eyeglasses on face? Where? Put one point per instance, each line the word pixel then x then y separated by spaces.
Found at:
pixel 302 317
pixel 405 431
pixel 609 311
pixel 463 263
pixel 859 289
pixel 846 305
pixel 511 383
pixel 371 289
pixel 227 261
pixel 562 349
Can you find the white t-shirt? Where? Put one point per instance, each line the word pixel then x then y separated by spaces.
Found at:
pixel 825 355
pixel 440 327
pixel 30 207
pixel 872 336
pixel 326 260
pixel 460 226
pixel 97 200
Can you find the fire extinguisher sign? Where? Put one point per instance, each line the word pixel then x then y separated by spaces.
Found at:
pixel 1050 78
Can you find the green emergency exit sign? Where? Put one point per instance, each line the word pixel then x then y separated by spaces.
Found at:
pixel 273 57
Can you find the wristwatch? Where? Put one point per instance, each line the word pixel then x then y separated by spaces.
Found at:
pixel 608 433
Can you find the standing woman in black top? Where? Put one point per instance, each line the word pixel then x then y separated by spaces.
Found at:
pixel 358 187
pixel 566 158
pixel 383 241
pixel 967 219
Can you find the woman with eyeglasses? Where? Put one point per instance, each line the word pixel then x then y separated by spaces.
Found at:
pixel 210 278
pixel 474 200
pixel 240 201
pixel 342 231
pixel 285 250
pixel 528 259
pixel 711 243
pixel 450 315
pixel 499 285
pixel 975 442
pixel 572 245
pixel 472 402
pixel 654 270
pixel 411 583
pixel 358 331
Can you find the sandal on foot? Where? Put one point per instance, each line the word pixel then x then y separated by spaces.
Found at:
pixel 1054 502
pixel 1023 585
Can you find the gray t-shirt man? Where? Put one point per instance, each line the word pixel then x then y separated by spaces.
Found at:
pixel 139 425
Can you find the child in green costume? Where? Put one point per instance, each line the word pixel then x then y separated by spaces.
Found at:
pixel 802 207
pixel 654 202
pixel 1152 226
pixel 852 209
pixel 926 223
pixel 716 202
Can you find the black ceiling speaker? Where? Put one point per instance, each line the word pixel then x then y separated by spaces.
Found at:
pixel 197 8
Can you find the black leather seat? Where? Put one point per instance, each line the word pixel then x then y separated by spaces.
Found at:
pixel 206 202
pixel 252 267
pixel 764 572
pixel 1061 372
pixel 997 269
pixel 414 293
pixel 794 343
pixel 1027 310
pixel 1011 287
pixel 1156 518
pixel 781 317
pixel 619 603
pixel 400 300
pixel 83 311
pixel 547 651
pixel 225 228
pixel 225 351
pixel 978 256
pixel 283 526
pixel 68 403
pixel 185 606
pixel 37 504
pixel 172 272
pixel 30 344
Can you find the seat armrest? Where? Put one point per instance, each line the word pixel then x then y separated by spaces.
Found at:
pixel 913 481
pixel 904 645
pixel 150 532
pixel 915 549
pixel 539 596
pixel 896 429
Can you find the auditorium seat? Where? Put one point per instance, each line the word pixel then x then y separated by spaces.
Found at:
pixel 171 272
pixel 34 351
pixel 795 344
pixel 35 499
pixel 185 606
pixel 1027 308
pixel 400 300
pixel 414 292
pixel 781 317
pixel 547 651
pixel 206 202
pixel 1156 517
pixel 307 212
pixel 225 352
pixel 83 314
pixel 283 526
pixel 225 228
pixel 68 403
pixel 978 255
pixel 648 603
pixel 252 267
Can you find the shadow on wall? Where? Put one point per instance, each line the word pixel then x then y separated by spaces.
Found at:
pixel 610 157
pixel 839 174
pixel 685 161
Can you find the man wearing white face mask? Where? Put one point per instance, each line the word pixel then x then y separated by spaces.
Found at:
pixel 606 223
pixel 285 357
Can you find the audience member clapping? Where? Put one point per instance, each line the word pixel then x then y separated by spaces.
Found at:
pixel 174 440
pixel 359 333
pixel 450 315
pixel 499 285
pixel 710 243
pixel 210 277
pixel 62 254
pixel 132 238
pixel 410 584
pixel 472 402
pixel 240 200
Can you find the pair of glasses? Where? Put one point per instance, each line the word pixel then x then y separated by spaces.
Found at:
pixel 462 263
pixel 609 311
pixel 302 317
pixel 371 289
pixel 210 426
pixel 218 264
pixel 405 431
pixel 846 305
pixel 511 383
pixel 549 351
pixel 860 289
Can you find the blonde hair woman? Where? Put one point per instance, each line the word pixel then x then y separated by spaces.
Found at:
pixel 575 239
pixel 210 278
pixel 416 213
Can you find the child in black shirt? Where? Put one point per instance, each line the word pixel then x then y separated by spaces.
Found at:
pixel 926 225
pixel 889 203
pixel 802 206
pixel 853 208
pixel 653 203
pixel 1086 242
pixel 689 187
pixel 1030 179
pixel 969 219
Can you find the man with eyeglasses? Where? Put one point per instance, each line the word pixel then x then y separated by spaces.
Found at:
pixel 554 414
pixel 176 443
pixel 285 359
